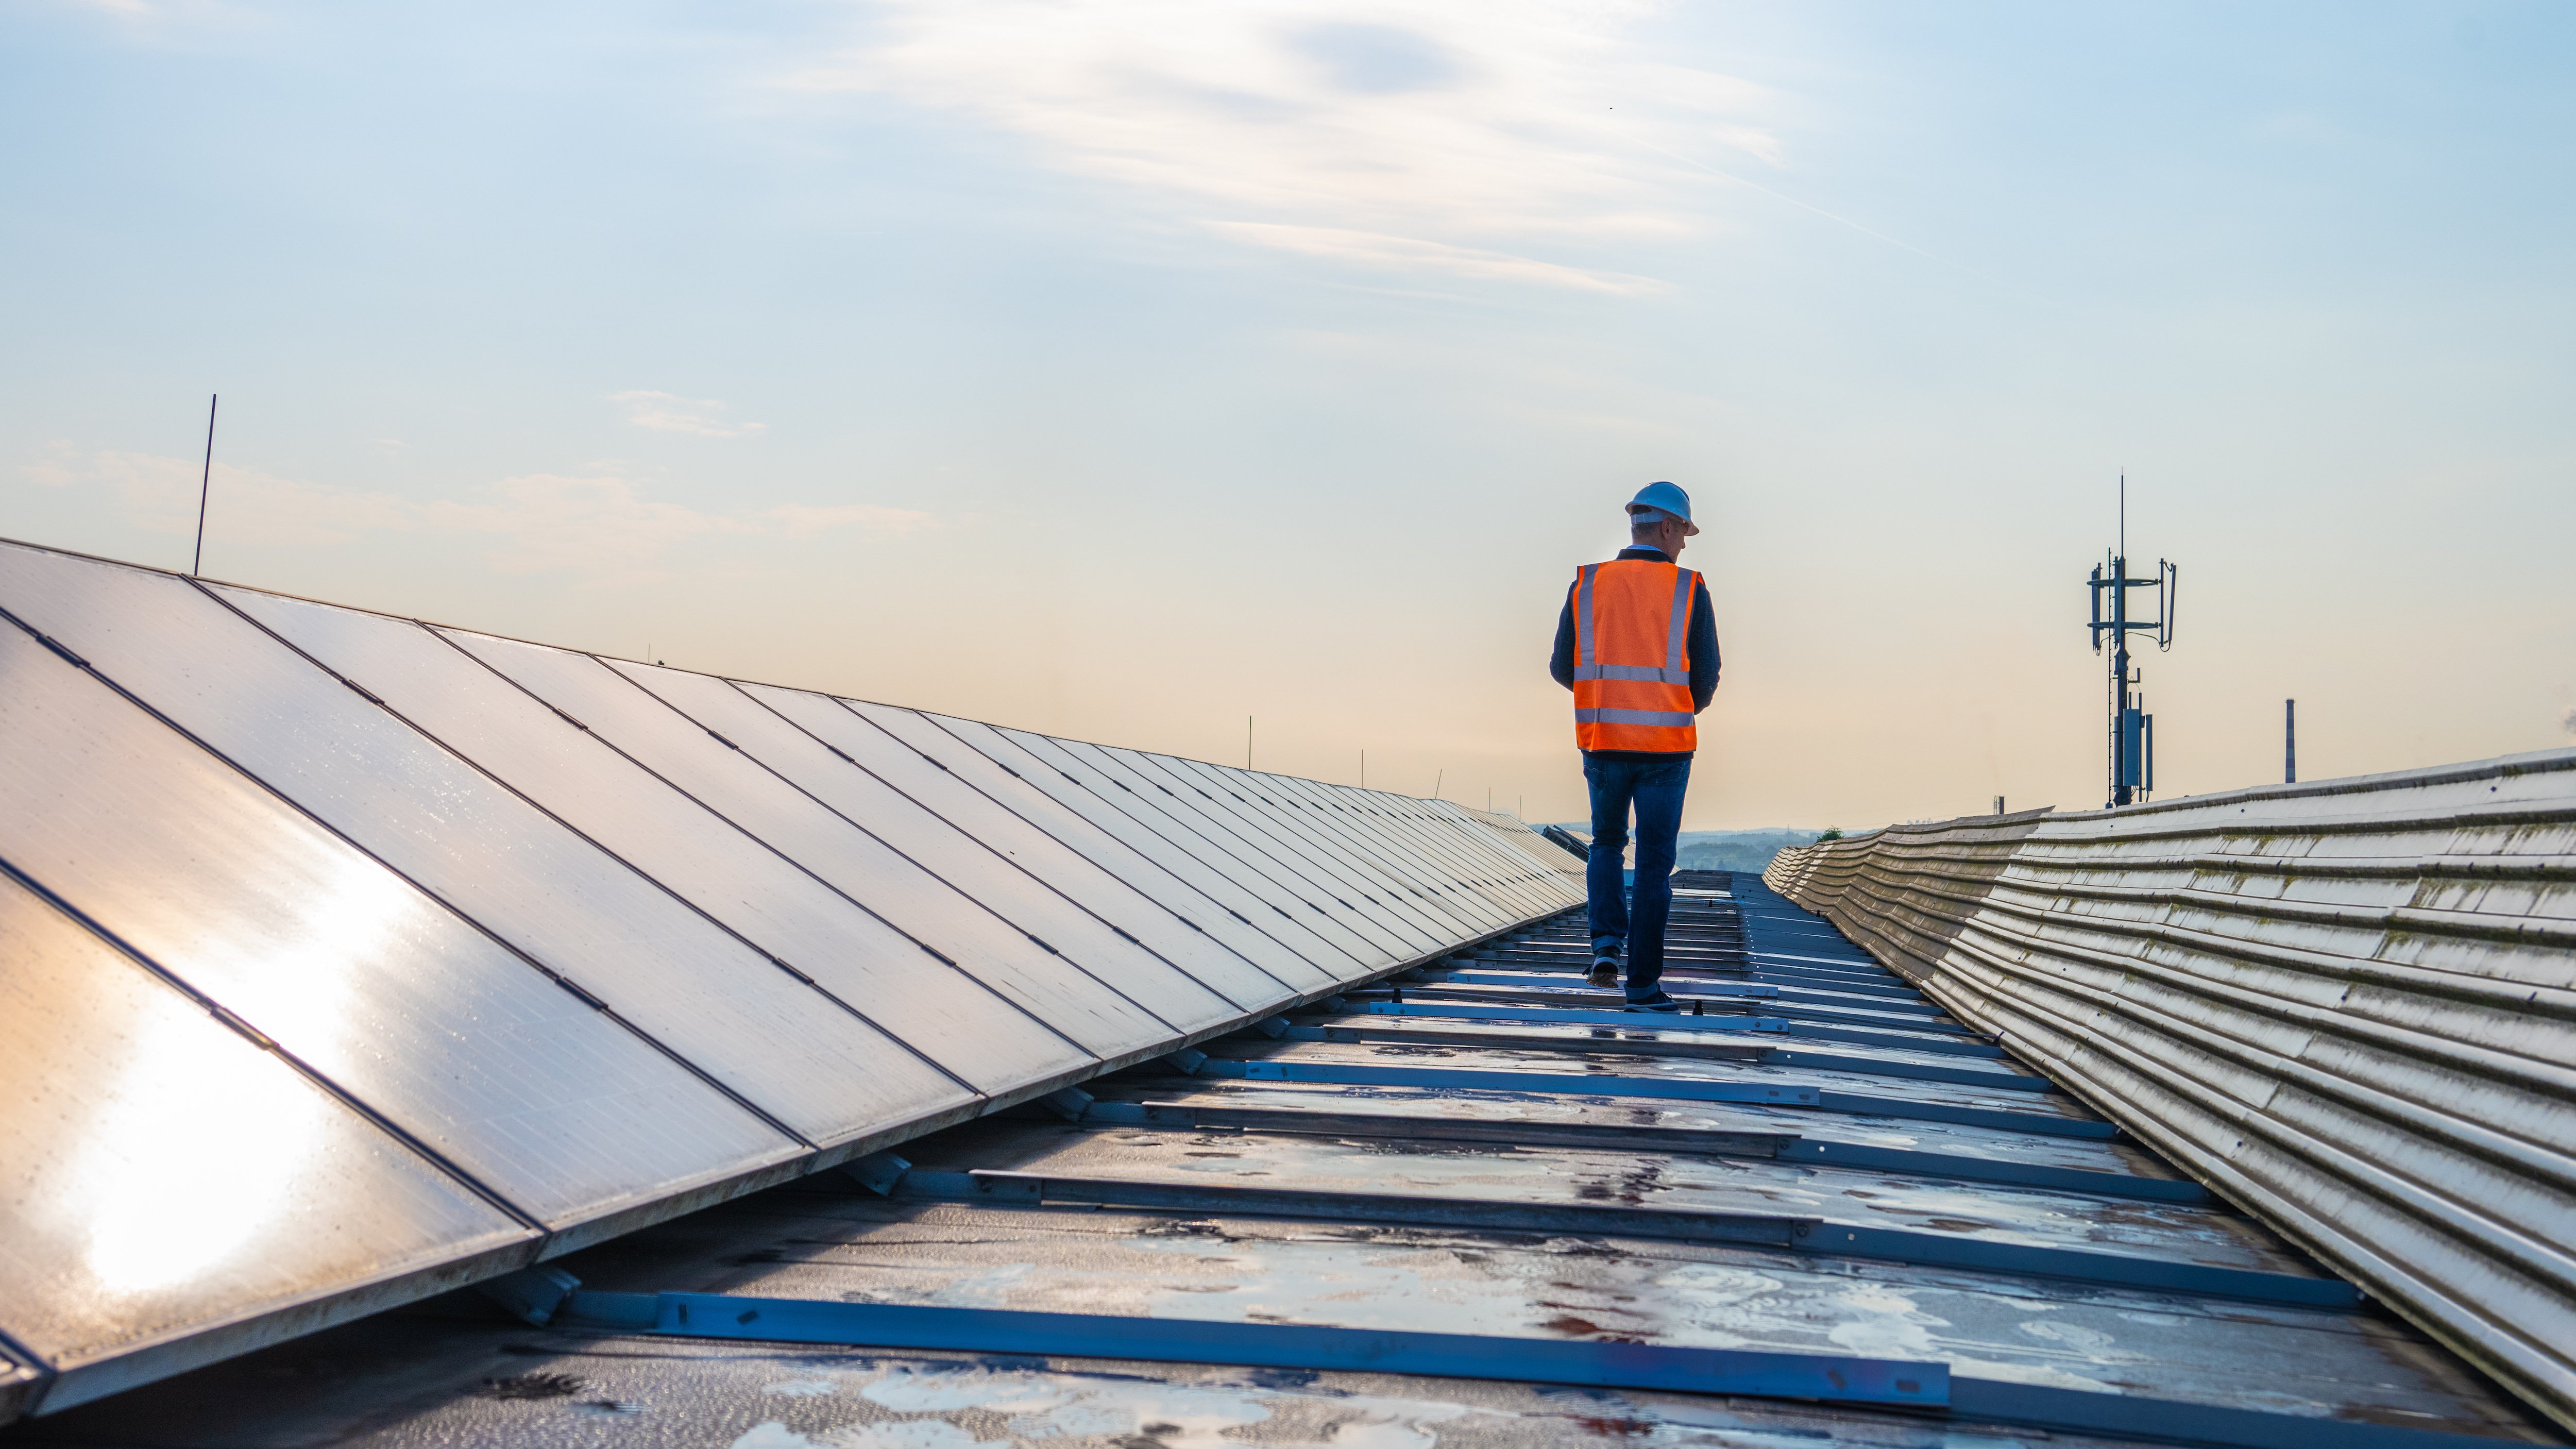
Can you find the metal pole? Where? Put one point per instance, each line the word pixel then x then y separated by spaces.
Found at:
pixel 2120 667
pixel 2289 742
pixel 205 480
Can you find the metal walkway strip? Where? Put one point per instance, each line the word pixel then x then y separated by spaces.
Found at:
pixel 1502 1038
pixel 1595 1137
pixel 1794 1234
pixel 1927 1388
pixel 1270 1345
pixel 1677 1089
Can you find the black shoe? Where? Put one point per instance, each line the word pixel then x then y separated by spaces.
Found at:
pixel 1657 1002
pixel 1605 972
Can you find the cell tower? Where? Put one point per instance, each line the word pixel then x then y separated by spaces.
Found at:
pixel 2133 730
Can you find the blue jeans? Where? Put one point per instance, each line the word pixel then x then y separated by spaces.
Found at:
pixel 1655 788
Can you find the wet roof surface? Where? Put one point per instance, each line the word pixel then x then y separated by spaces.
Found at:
pixel 1817 1162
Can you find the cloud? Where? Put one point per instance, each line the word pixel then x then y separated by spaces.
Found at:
pixel 1371 249
pixel 547 522
pixel 593 526
pixel 159 495
pixel 2567 721
pixel 802 520
pixel 669 413
pixel 1466 139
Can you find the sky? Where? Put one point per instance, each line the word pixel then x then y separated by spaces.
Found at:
pixel 1138 371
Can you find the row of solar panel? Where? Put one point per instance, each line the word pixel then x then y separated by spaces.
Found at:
pixel 344 957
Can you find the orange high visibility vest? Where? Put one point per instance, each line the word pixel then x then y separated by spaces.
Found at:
pixel 1631 660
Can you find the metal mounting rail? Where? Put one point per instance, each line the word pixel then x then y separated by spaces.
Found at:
pixel 1926 1388
pixel 1795 1234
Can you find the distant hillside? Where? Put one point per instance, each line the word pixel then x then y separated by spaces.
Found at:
pixel 1737 849
pixel 1732 849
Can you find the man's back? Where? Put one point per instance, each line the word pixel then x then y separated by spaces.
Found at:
pixel 1637 644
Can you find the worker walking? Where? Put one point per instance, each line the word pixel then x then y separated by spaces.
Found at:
pixel 1637 643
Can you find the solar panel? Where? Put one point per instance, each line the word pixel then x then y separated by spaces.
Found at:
pixel 412 954
pixel 770 902
pixel 1025 903
pixel 1129 893
pixel 519 1083
pixel 569 907
pixel 773 815
pixel 1211 875
pixel 168 1176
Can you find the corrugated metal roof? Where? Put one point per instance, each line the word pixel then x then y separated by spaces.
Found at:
pixel 2350 1005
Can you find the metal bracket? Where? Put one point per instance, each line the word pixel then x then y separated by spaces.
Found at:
pixel 531 1294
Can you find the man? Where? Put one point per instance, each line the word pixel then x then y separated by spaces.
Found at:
pixel 1637 643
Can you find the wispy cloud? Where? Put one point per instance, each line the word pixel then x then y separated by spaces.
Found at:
pixel 159 495
pixel 1371 249
pixel 803 520
pixel 595 527
pixel 670 413
pixel 1486 141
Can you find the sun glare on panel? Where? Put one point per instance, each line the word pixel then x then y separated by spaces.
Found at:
pixel 185 1115
pixel 186 1118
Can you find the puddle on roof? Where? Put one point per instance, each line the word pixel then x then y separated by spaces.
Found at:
pixel 1560 1175
pixel 2050 1334
pixel 974 1406
pixel 1539 1061
pixel 2084 1154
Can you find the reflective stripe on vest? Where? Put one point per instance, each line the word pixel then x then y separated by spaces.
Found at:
pixel 1632 664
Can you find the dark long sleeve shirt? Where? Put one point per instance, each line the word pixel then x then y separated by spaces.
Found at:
pixel 1702 643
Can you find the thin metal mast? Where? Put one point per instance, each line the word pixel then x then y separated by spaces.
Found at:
pixel 2130 729
pixel 205 480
